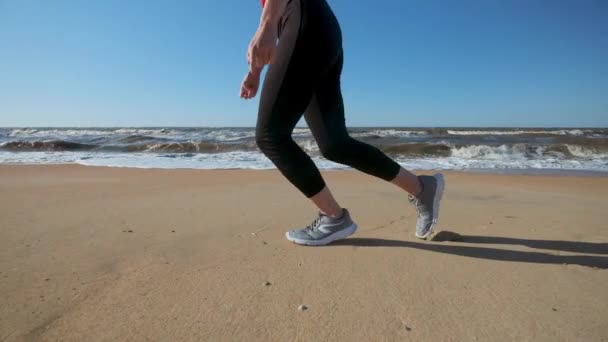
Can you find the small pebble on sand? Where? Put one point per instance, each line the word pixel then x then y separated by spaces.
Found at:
pixel 267 283
pixel 302 307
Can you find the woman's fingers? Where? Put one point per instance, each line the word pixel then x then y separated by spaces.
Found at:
pixel 248 93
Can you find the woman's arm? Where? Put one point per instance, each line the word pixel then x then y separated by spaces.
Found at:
pixel 262 46
pixel 273 10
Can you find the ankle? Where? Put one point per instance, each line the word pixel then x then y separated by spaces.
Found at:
pixel 421 185
pixel 338 214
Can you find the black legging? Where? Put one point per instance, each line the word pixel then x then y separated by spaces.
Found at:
pixel 305 78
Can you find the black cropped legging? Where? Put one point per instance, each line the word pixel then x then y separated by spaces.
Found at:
pixel 304 78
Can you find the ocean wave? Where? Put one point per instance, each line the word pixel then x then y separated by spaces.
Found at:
pixel 309 145
pixel 419 149
pixel 385 133
pixel 25 132
pixel 144 131
pixel 194 147
pixel 587 152
pixel 47 145
pixel 495 152
pixel 593 149
pixel 22 131
pixel 412 149
pixel 134 139
pixel 526 151
pixel 165 147
pixel 59 132
pixel 301 131
pixel 518 132
pixel 226 135
pixel 105 136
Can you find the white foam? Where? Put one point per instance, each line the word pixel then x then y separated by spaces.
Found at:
pixel 229 160
pixel 495 153
pixel 301 131
pixel 582 152
pixel 309 145
pixel 451 163
pixel 256 160
pixel 24 131
pixel 55 133
pixel 224 135
pixel 523 152
pixel 576 132
pixel 384 133
pixel 141 131
pixel 59 133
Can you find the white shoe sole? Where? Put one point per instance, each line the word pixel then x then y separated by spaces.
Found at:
pixel 436 204
pixel 344 233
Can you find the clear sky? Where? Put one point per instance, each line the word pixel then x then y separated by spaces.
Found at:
pixel 407 62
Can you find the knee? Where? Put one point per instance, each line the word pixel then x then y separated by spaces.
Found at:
pixel 263 140
pixel 267 141
pixel 335 150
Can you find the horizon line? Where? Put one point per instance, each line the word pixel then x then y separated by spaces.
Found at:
pixel 409 127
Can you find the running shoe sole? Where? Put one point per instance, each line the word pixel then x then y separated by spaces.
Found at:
pixel 341 234
pixel 436 204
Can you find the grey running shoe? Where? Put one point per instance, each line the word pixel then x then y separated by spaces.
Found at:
pixel 427 204
pixel 323 230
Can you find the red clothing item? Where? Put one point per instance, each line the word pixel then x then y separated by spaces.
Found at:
pixel 263 2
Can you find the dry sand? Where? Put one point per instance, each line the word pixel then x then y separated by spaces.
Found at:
pixel 102 254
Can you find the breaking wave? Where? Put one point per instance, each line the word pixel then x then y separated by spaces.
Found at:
pixel 440 148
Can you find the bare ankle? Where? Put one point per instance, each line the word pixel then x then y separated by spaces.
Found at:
pixel 335 214
pixel 420 188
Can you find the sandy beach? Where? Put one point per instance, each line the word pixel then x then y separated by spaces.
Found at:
pixel 110 254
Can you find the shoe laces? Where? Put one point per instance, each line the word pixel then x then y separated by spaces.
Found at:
pixel 415 201
pixel 314 223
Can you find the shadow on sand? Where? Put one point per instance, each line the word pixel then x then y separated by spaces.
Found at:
pixel 556 245
pixel 501 254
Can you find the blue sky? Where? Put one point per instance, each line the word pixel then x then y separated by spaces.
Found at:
pixel 407 63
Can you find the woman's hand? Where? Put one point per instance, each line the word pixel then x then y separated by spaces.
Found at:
pixel 250 85
pixel 262 46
